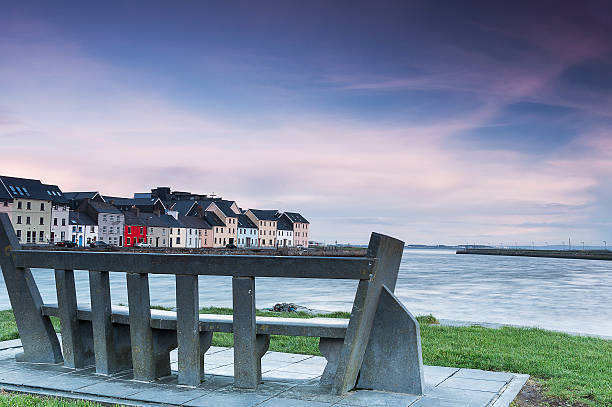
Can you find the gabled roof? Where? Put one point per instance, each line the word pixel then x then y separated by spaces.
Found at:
pixel 77 196
pixel 26 188
pixel 103 207
pixel 295 217
pixel 225 207
pixel 182 207
pixel 284 224
pixel 213 219
pixel 193 222
pixel 4 193
pixel 162 221
pixel 264 214
pixel 55 194
pixel 131 219
pixel 245 222
pixel 133 202
pixel 80 218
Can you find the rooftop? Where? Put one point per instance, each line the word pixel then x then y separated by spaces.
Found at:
pixel 295 217
pixel 25 188
pixel 264 214
pixel 80 218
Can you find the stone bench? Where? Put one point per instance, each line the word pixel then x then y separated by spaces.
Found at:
pixel 377 348
pixel 331 331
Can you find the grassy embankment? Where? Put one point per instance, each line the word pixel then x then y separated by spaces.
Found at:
pixel 572 369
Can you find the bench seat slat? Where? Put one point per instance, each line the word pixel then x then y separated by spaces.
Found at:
pixel 160 319
pixel 352 268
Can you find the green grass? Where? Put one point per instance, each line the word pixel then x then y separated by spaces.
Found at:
pixel 25 400
pixel 572 368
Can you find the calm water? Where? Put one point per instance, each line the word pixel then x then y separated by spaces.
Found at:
pixel 560 294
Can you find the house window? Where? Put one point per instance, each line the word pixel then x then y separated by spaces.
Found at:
pixel 128 240
pixel 19 220
pixel 27 220
pixel 41 236
pixel 141 230
pixel 54 221
pixel 63 222
pixel 28 205
pixel 42 221
pixel 91 229
pixel 129 229
pixel 18 234
pixel 18 204
pixel 42 206
pixel 178 240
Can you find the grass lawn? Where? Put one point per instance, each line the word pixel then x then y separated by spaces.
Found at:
pixel 575 370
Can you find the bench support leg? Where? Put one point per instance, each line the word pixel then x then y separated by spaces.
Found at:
pixel 205 342
pixel 141 334
pixel 111 342
pixel 388 252
pixel 76 340
pixel 393 360
pixel 330 348
pixel 246 357
pixel 38 338
pixel 190 358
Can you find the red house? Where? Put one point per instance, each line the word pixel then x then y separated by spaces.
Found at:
pixel 135 229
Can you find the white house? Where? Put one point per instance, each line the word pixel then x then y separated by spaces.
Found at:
pixel 284 233
pixel 195 228
pixel 82 229
pixel 248 234
pixel 59 214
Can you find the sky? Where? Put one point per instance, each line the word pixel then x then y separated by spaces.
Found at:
pixel 431 121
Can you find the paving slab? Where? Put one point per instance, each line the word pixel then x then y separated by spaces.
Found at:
pixel 473 384
pixel 116 388
pixel 483 375
pixel 371 398
pixel 216 399
pixel 169 394
pixel 289 380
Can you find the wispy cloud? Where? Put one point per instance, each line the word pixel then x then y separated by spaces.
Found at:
pixel 86 121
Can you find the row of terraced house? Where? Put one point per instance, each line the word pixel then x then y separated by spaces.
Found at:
pixel 43 214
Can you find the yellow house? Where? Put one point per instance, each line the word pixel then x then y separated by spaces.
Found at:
pixel 266 222
pixel 228 212
pixel 29 203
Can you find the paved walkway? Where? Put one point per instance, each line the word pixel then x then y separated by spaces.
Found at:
pixel 289 380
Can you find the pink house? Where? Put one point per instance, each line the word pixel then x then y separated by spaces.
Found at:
pixel 300 227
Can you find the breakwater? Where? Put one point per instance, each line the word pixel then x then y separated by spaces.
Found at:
pixel 559 254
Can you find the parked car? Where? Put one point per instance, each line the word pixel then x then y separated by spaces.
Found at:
pixel 230 246
pixel 66 243
pixel 98 244
pixel 142 244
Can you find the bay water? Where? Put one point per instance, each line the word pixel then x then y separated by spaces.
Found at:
pixel 559 294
